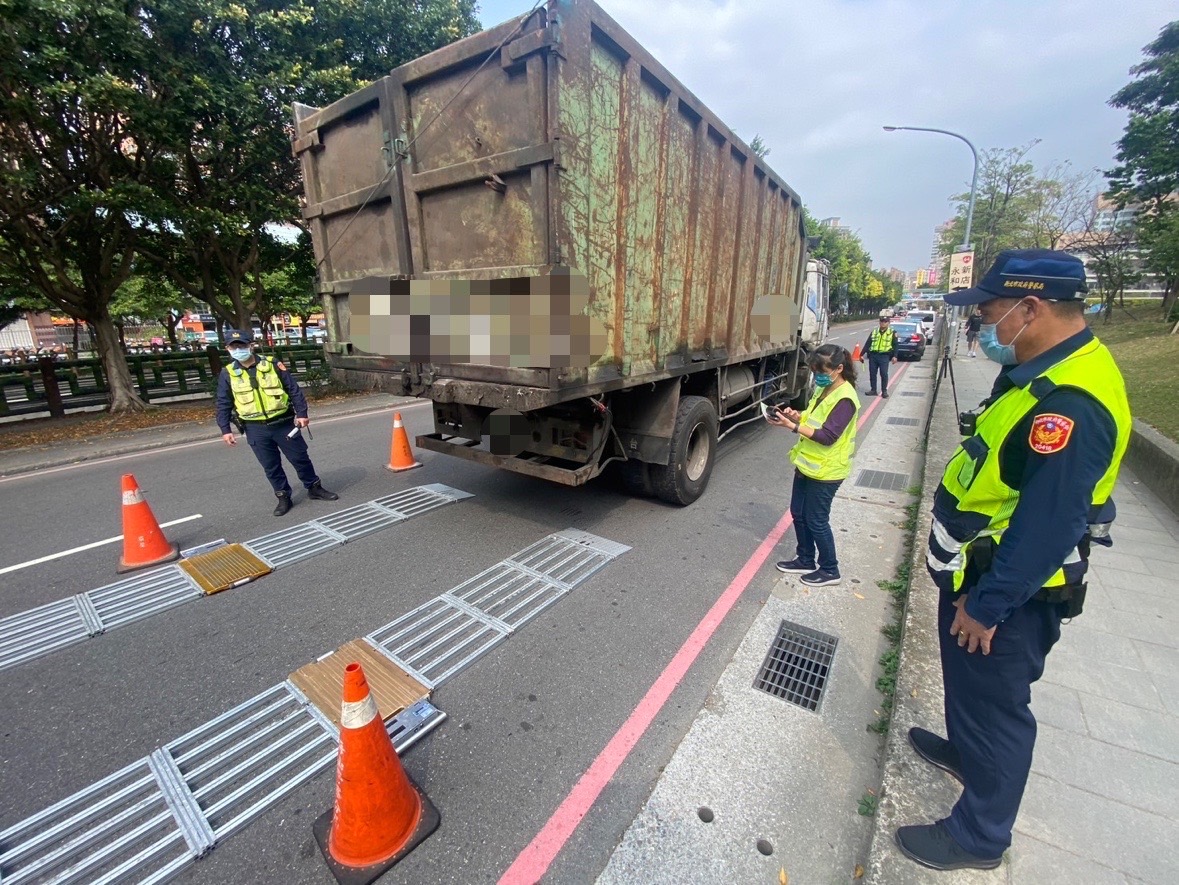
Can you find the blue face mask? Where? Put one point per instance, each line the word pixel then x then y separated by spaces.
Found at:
pixel 822 379
pixel 988 340
pixel 241 354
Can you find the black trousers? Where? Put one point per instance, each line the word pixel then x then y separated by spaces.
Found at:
pixel 988 720
pixel 268 440
pixel 878 364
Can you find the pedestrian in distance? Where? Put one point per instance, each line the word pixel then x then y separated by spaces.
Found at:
pixel 881 351
pixel 822 461
pixel 1021 502
pixel 973 324
pixel 268 402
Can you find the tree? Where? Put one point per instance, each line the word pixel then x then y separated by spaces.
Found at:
pixel 148 296
pixel 1061 203
pixel 1147 173
pixel 75 163
pixel 853 281
pixel 759 147
pixel 229 71
pixel 290 288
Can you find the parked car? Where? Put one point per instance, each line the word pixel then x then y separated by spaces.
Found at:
pixel 927 319
pixel 910 341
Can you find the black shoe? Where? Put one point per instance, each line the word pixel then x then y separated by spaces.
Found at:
pixel 319 493
pixel 937 751
pixel 885 394
pixel 931 846
pixel 795 567
pixel 821 578
pixel 284 503
pixel 871 393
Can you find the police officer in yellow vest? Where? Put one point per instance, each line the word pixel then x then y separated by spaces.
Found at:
pixel 881 351
pixel 1021 502
pixel 270 404
pixel 822 460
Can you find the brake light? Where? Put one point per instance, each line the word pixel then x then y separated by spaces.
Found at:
pixel 915 338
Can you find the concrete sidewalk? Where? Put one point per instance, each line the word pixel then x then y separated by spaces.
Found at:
pixel 30 458
pixel 1101 802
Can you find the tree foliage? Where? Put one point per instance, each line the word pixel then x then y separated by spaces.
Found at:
pixel 1147 173
pixel 855 287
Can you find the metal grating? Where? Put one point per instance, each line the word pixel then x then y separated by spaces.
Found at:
pixel 149 820
pixel 508 595
pixel 560 560
pixel 142 595
pixel 356 522
pixel 40 630
pixel 436 640
pixel 904 422
pixel 797 666
pixel 288 546
pixel 882 479
pixel 912 393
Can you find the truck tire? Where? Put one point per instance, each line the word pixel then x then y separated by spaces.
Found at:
pixel 693 452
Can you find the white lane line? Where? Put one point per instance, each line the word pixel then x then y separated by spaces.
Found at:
pixel 70 552
pixel 203 442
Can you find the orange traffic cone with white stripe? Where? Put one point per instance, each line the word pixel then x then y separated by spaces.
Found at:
pixel 400 454
pixel 144 543
pixel 380 816
pixel 856 354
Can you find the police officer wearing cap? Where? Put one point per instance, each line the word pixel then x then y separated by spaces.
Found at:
pixel 270 404
pixel 1021 502
pixel 881 351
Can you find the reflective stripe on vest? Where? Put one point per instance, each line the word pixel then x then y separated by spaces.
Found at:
pixel 973 482
pixel 826 463
pixel 880 342
pixel 268 400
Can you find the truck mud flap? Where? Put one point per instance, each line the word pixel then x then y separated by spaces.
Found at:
pixel 532 465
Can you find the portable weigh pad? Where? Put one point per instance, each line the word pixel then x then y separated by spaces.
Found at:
pixel 392 688
pixel 224 567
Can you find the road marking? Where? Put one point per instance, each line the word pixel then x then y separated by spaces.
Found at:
pixel 533 862
pixel 73 550
pixel 202 442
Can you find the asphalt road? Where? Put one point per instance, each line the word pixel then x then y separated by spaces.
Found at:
pixel 525 721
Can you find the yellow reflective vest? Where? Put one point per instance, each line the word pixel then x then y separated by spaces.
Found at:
pixel 973 479
pixel 267 400
pixel 881 342
pixel 817 461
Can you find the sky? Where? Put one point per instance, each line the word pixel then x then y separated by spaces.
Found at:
pixel 818 80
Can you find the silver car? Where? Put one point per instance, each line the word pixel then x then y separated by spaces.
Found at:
pixel 926 318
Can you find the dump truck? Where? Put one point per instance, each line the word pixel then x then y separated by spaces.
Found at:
pixel 539 229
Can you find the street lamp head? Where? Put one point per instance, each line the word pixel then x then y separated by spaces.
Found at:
pixel 891 128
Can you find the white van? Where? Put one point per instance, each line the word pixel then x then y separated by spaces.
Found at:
pixel 927 319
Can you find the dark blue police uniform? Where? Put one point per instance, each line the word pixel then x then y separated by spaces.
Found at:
pixel 987 696
pixel 268 438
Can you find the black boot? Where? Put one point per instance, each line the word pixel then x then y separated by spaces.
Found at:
pixel 319 493
pixel 284 503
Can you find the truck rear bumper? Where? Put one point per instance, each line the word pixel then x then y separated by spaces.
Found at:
pixel 531 465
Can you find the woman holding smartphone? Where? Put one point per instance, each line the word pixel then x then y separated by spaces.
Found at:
pixel 822 460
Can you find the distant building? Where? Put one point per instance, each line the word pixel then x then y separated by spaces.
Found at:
pixel 1111 228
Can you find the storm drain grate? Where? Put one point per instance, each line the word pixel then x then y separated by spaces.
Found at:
pixel 797 666
pixel 882 479
pixel 904 422
pixel 912 393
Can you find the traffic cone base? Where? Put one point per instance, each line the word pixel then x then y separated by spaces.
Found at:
pixel 400 454
pixel 428 822
pixel 144 543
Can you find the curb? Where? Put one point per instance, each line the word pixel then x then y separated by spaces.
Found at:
pixel 1154 459
pixel 912 792
pixel 165 437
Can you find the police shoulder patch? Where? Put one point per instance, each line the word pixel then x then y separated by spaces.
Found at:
pixel 1050 433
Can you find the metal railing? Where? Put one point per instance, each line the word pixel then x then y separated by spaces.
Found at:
pixel 52 386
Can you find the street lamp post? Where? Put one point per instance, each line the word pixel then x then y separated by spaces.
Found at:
pixel 965 247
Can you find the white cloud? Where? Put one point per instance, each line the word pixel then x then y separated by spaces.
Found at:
pixel 818 80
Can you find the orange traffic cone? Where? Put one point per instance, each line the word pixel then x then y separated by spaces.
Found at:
pixel 400 454
pixel 856 354
pixel 380 815
pixel 144 543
